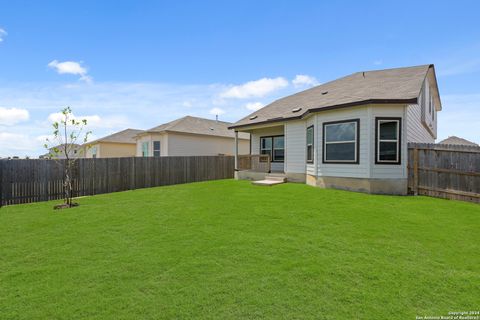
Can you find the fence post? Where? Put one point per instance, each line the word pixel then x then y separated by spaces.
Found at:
pixel 415 171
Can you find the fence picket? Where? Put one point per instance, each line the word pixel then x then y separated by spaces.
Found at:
pixel 24 181
pixel 445 171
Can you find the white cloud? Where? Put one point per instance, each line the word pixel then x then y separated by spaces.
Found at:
pixel 16 144
pixel 12 116
pixel 257 88
pixel 94 121
pixel 3 34
pixel 43 138
pixel 118 105
pixel 303 80
pixel 378 62
pixel 254 106
pixel 217 111
pixel 70 67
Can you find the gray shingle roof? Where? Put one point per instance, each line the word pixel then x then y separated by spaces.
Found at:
pixel 194 125
pixel 400 85
pixel 124 136
pixel 457 140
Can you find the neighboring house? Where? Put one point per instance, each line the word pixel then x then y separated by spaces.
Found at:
pixel 58 152
pixel 191 136
pixel 117 145
pixel 350 133
pixel 458 141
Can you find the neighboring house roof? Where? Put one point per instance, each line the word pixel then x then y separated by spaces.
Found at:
pixel 400 85
pixel 457 140
pixel 72 147
pixel 195 125
pixel 124 136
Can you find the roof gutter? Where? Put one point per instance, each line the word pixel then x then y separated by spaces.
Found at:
pixel 337 106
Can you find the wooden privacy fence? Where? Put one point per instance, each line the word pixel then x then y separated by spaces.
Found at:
pixel 24 181
pixel 445 171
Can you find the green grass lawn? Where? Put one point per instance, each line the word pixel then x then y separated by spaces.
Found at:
pixel 230 250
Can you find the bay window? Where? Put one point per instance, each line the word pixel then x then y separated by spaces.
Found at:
pixel 387 140
pixel 341 141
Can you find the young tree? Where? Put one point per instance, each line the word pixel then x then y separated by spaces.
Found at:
pixel 67 133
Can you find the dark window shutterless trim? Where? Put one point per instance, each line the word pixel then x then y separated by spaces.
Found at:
pixel 273 148
pixel 357 142
pixel 313 144
pixel 377 120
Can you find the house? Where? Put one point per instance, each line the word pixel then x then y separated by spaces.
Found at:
pixel 191 136
pixel 350 133
pixel 73 151
pixel 117 145
pixel 458 141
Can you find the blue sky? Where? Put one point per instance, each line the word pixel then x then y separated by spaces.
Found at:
pixel 141 63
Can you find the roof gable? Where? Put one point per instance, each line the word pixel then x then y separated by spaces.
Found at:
pixel 458 141
pixel 124 136
pixel 195 125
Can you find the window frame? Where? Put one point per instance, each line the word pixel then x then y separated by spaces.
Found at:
pixel 313 144
pixel 272 150
pixel 378 140
pixel 155 150
pixel 357 142
pixel 147 144
pixel 94 152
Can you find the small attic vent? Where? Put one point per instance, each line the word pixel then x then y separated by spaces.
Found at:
pixel 296 109
pixel 253 117
pixel 324 92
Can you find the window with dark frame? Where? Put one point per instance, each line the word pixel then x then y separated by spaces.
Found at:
pixel 156 148
pixel 310 138
pixel 341 142
pixel 266 146
pixel 274 146
pixel 388 140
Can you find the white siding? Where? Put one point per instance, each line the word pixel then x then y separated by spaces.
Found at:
pixel 150 138
pixel 388 171
pixel 428 121
pixel 421 126
pixel 295 146
pixel 360 170
pixel 295 139
pixel 416 131
pixel 272 131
